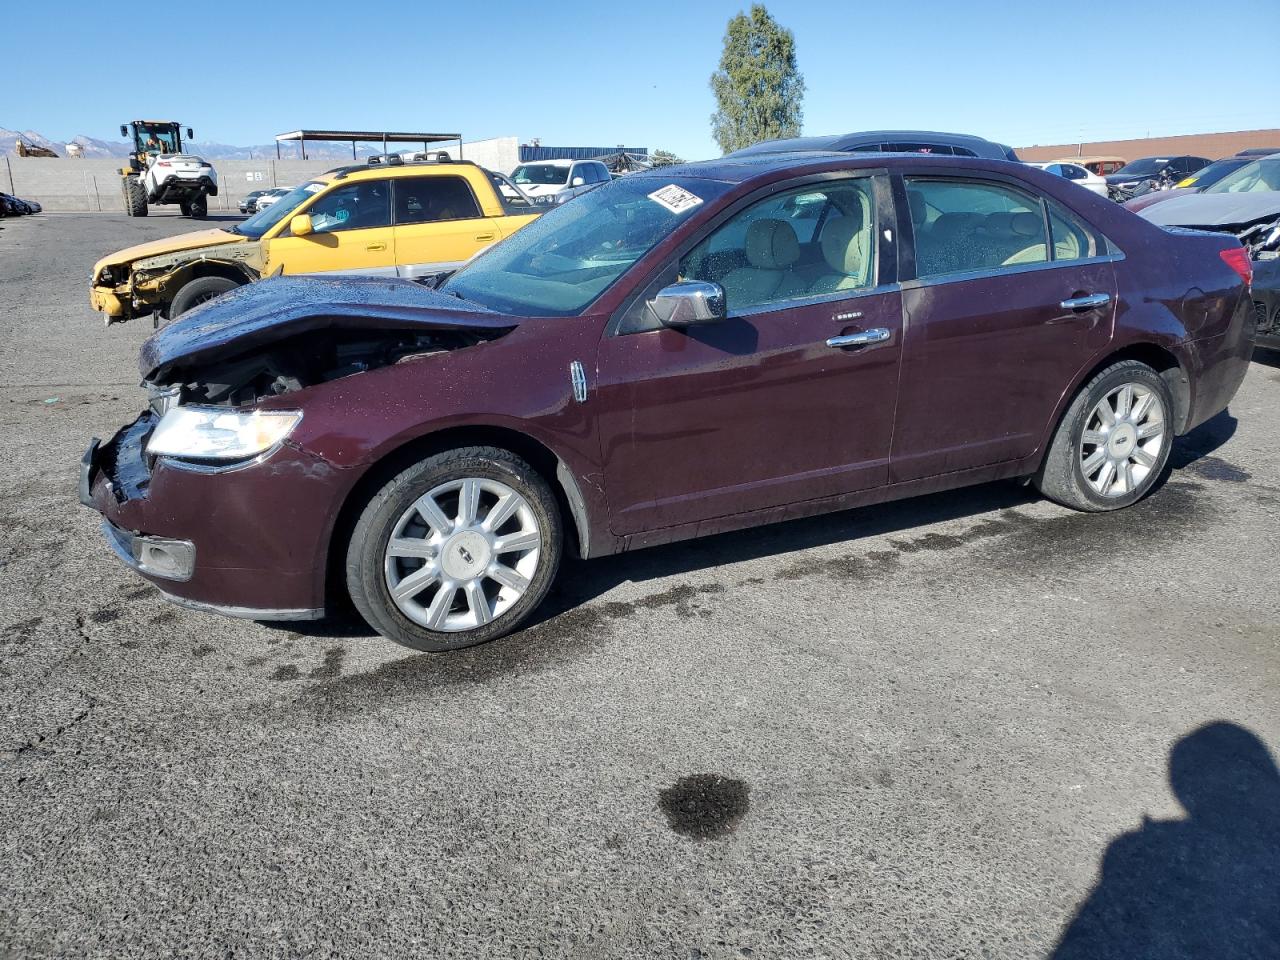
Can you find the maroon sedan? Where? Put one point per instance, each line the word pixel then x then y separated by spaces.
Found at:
pixel 678 353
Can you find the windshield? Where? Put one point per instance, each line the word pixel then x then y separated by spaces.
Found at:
pixel 1144 167
pixel 566 258
pixel 270 215
pixel 1256 177
pixel 1211 174
pixel 156 138
pixel 544 173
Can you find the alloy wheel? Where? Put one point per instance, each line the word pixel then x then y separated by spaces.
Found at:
pixel 462 555
pixel 1123 440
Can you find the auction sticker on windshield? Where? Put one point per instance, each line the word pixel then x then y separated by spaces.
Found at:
pixel 674 198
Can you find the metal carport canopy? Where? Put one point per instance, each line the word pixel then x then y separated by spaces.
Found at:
pixel 367 136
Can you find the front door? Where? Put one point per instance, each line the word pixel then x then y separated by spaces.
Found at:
pixel 759 410
pixel 997 325
pixel 350 233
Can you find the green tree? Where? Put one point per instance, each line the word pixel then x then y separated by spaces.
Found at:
pixel 759 92
pixel 664 158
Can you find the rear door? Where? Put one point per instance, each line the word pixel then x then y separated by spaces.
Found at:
pixel 438 224
pixel 766 407
pixel 998 321
pixel 350 233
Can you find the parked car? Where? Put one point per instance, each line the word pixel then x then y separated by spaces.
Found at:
pixel 12 206
pixel 267 197
pixel 1199 181
pixel 399 219
pixel 249 202
pixel 556 181
pixel 677 353
pixel 1254 152
pixel 1151 173
pixel 889 141
pixel 1076 174
pixel 1245 203
pixel 1101 165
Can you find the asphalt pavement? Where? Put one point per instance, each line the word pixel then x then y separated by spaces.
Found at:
pixel 914 730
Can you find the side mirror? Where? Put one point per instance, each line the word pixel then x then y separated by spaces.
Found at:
pixel 301 225
pixel 190 135
pixel 577 182
pixel 124 130
pixel 689 302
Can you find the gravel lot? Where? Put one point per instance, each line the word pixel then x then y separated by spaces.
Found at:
pixel 904 731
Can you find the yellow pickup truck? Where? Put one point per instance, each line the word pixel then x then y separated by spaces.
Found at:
pixel 382 219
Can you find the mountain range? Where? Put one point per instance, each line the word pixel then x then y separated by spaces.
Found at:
pixel 92 147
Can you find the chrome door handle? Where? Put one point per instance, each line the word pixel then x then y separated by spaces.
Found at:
pixel 860 339
pixel 1085 302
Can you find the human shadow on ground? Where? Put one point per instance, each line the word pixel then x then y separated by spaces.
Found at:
pixel 1203 886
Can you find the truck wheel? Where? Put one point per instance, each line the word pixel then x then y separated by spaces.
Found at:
pixel 198 208
pixel 199 291
pixel 135 197
pixel 458 549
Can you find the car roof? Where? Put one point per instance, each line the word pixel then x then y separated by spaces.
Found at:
pixel 842 141
pixel 745 168
pixel 560 162
pixel 404 168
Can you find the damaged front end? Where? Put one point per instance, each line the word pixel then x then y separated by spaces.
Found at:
pixel 282 335
pixel 148 285
pixel 184 489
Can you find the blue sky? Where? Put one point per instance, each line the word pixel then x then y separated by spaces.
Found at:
pixel 636 73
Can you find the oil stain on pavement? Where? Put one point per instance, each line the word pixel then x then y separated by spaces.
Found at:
pixel 705 806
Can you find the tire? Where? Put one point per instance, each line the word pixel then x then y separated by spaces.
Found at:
pixel 1093 466
pixel 198 208
pixel 477 607
pixel 184 207
pixel 135 197
pixel 198 291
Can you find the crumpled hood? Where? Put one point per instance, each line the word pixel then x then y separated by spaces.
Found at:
pixel 185 241
pixel 1214 209
pixel 278 307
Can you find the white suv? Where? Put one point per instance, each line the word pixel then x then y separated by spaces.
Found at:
pixel 555 181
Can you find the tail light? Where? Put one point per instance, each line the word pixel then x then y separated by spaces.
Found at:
pixel 1237 258
pixel 162 163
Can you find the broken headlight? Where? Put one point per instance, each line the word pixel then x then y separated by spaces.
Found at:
pixel 107 276
pixel 216 433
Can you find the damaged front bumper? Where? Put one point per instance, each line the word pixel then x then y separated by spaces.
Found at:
pixel 244 540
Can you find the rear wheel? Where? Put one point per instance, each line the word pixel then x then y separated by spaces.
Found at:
pixel 198 291
pixel 185 208
pixel 135 197
pixel 1113 442
pixel 456 550
pixel 198 208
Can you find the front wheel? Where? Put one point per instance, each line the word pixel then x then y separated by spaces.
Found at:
pixel 1113 442
pixel 458 549
pixel 199 291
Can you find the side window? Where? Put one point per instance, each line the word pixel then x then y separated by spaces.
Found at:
pixel 968 225
pixel 1071 240
pixel 357 206
pixel 802 243
pixel 600 173
pixel 1055 169
pixel 431 199
pixel 963 152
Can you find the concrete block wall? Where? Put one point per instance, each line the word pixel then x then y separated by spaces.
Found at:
pixel 94 185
